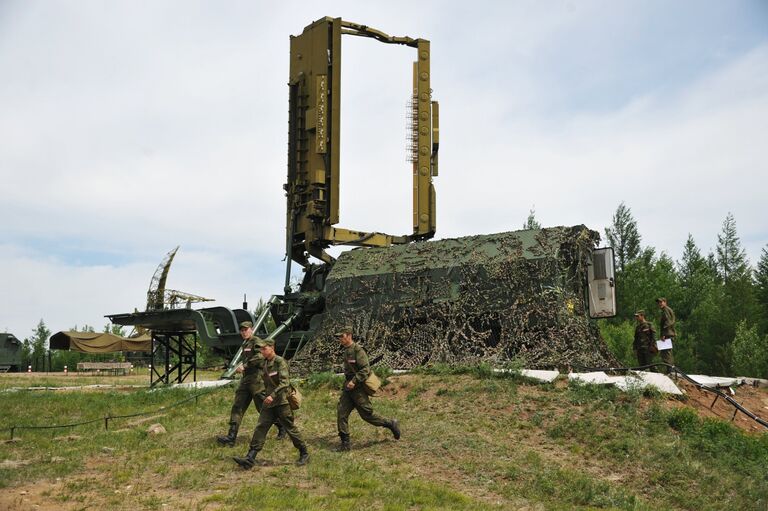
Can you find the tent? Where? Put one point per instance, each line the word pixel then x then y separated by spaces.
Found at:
pixel 94 342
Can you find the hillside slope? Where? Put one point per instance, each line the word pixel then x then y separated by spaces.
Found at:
pixel 470 441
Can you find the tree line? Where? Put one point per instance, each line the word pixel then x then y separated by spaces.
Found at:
pixel 35 352
pixel 720 300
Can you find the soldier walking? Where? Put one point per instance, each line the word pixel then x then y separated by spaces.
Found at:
pixel 645 340
pixel 353 396
pixel 276 408
pixel 667 327
pixel 251 387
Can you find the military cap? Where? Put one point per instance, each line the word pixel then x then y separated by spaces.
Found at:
pixel 662 299
pixel 246 324
pixel 267 342
pixel 345 329
pixel 259 341
pixel 640 312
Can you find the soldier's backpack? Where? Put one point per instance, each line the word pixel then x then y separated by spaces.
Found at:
pixel 294 397
pixel 372 384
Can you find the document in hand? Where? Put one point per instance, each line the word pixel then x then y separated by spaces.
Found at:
pixel 664 344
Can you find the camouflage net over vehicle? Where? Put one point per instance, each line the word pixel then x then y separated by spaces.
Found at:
pixel 490 298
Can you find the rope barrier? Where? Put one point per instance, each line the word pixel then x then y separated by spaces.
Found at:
pixel 109 416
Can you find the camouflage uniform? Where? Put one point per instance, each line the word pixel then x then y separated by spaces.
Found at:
pixel 645 341
pixel 357 369
pixel 667 327
pixel 275 376
pixel 251 386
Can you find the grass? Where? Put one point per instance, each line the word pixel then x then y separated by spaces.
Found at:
pixel 472 439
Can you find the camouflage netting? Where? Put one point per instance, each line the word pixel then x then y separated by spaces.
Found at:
pixel 485 298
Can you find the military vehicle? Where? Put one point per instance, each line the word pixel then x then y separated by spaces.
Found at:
pixel 10 353
pixel 495 297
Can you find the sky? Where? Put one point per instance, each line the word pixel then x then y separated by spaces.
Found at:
pixel 130 127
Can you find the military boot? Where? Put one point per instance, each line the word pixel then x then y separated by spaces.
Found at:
pixel 344 446
pixel 303 457
pixel 248 461
pixel 394 427
pixel 281 433
pixel 229 439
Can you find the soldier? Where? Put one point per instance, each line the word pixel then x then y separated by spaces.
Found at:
pixel 645 340
pixel 276 408
pixel 251 386
pixel 353 395
pixel 667 327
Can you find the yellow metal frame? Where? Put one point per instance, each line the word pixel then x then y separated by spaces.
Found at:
pixel 314 135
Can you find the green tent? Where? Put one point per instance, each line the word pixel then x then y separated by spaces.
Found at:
pixel 94 342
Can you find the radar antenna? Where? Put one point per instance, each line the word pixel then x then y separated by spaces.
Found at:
pixel 159 298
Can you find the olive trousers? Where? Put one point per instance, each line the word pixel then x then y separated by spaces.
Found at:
pixel 270 415
pixel 356 399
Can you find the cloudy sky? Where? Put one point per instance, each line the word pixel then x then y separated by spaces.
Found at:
pixel 130 127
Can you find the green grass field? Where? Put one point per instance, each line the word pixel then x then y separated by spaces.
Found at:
pixel 470 441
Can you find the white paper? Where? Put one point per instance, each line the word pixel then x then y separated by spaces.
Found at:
pixel 664 344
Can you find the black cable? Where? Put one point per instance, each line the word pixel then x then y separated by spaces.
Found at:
pixel 707 388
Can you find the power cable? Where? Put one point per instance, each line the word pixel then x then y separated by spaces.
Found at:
pixel 718 393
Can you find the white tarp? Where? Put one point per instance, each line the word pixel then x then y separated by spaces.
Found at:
pixel 643 379
pixel 545 376
pixel 635 380
pixel 595 378
pixel 714 381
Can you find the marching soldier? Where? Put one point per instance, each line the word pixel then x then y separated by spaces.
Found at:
pixel 353 396
pixel 645 341
pixel 275 408
pixel 251 386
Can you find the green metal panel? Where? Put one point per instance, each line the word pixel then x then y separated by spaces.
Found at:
pixel 10 351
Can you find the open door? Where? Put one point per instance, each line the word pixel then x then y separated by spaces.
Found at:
pixel 601 284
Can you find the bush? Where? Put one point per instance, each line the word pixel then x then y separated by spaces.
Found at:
pixel 619 339
pixel 749 352
pixel 684 420
pixel 324 379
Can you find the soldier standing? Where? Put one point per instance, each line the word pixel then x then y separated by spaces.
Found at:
pixel 251 386
pixel 276 408
pixel 667 327
pixel 645 340
pixel 353 396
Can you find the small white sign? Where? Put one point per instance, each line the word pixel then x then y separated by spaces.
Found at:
pixel 664 344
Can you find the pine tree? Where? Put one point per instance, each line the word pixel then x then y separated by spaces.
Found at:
pixel 531 222
pixel 761 279
pixel 696 278
pixel 731 257
pixel 622 235
pixel 38 345
pixel 761 289
pixel 692 261
pixel 738 289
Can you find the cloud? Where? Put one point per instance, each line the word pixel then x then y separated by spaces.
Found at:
pixel 128 130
